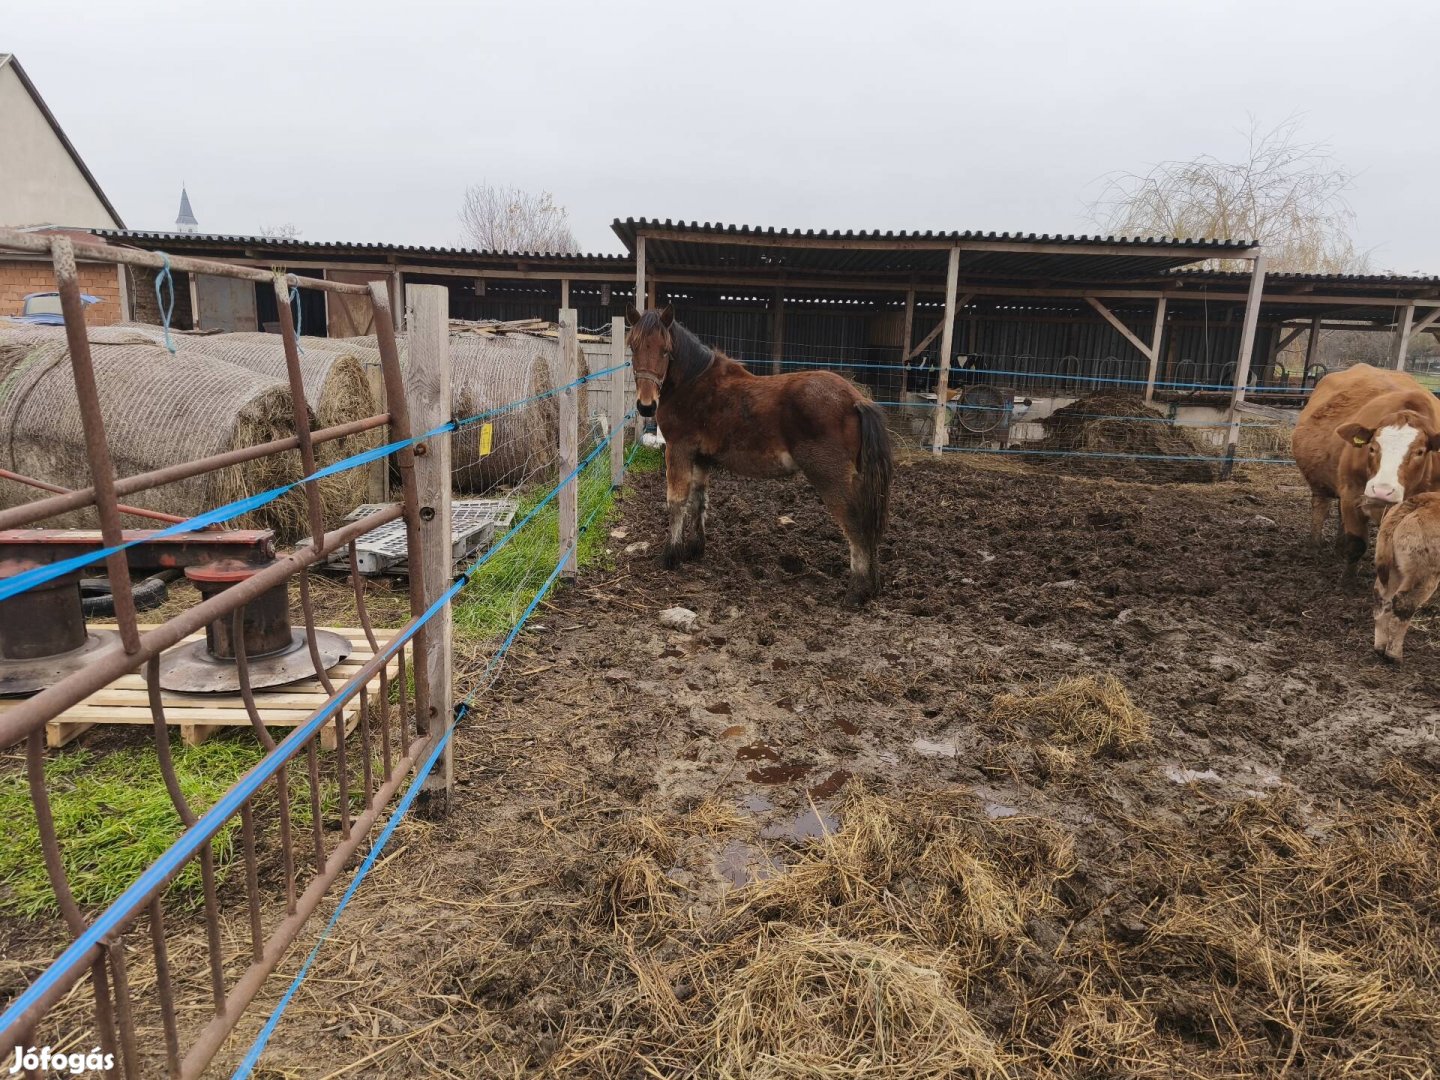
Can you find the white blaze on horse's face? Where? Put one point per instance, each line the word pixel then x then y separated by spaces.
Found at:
pixel 1395 447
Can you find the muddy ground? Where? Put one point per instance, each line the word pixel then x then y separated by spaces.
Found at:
pixel 1249 890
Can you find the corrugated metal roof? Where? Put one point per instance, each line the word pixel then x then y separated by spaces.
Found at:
pixel 910 256
pixel 1228 276
pixel 630 227
pixel 201 239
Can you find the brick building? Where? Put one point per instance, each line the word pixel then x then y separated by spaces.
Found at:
pixel 44 185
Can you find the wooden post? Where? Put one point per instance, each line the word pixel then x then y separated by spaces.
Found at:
pixel 1242 362
pixel 941 436
pixel 1312 345
pixel 427 390
pixel 908 333
pixel 397 300
pixel 568 500
pixel 777 331
pixel 640 273
pixel 1400 347
pixel 194 300
pixel 618 402
pixel 122 282
pixel 1155 336
pixel 651 288
pixel 564 292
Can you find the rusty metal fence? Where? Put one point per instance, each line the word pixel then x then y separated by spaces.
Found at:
pixel 397 724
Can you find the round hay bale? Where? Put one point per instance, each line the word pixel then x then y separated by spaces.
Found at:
pixel 337 391
pixel 490 372
pixel 159 409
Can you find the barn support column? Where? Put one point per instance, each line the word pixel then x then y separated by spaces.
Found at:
pixel 1312 346
pixel 1401 345
pixel 564 293
pixel 908 334
pixel 1242 362
pixel 941 436
pixel 777 330
pixel 1427 323
pixel 1155 336
pixel 640 273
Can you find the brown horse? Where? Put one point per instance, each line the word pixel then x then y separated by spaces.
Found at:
pixel 713 412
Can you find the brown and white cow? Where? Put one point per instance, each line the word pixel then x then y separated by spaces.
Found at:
pixel 1367 437
pixel 1407 569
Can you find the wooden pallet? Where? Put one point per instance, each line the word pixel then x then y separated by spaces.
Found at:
pixel 198 716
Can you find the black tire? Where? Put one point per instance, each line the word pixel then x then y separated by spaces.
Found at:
pixel 96 600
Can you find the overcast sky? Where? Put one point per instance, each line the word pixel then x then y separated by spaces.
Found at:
pixel 365 121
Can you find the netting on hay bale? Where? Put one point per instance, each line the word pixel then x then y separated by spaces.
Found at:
pixel 489 372
pixel 158 409
pixel 1147 447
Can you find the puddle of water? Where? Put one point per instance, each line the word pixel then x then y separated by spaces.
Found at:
pixel 720 708
pixel 732 731
pixel 777 774
pixel 740 863
pixel 930 748
pixel 756 803
pixel 995 810
pixel 757 751
pixel 847 726
pixel 830 785
pixel 810 825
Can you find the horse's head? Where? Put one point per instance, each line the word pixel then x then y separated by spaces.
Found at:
pixel 650 344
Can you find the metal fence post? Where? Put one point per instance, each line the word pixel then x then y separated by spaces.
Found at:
pixel 427 389
pixel 569 498
pixel 617 402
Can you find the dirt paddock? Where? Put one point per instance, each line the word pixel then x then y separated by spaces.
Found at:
pixel 1106 784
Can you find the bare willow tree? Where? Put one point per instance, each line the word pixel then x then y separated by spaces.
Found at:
pixel 1284 192
pixel 499 218
pixel 287 231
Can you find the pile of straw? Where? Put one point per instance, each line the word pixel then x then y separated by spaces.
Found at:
pixel 1119 436
pixel 159 409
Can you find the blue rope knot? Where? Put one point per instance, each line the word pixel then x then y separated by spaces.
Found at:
pixel 166 310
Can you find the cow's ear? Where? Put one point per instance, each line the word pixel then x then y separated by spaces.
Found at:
pixel 1356 434
pixel 631 315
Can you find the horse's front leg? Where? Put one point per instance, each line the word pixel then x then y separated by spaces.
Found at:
pixel 678 482
pixel 697 507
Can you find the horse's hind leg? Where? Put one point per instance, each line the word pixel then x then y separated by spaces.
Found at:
pixel 835 493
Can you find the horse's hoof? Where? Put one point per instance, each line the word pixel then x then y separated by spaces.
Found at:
pixel 671 557
pixel 858 595
pixel 694 551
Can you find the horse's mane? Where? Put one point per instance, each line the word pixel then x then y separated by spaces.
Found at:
pixel 689 356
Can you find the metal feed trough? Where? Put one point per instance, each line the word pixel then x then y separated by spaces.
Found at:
pixel 473 523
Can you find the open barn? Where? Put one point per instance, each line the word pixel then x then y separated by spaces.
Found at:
pixel 1107 778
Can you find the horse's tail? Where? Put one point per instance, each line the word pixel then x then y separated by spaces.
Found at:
pixel 875 462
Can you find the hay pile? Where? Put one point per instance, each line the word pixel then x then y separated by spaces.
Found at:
pixel 1122 424
pixel 159 409
pixel 922 938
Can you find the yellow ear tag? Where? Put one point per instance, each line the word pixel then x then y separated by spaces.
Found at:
pixel 1359 440
pixel 487 438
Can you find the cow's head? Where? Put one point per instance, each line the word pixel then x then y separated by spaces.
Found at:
pixel 1397 462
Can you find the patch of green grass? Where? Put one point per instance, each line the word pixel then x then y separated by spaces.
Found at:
pixel 647 459
pixel 503 587
pixel 114 818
